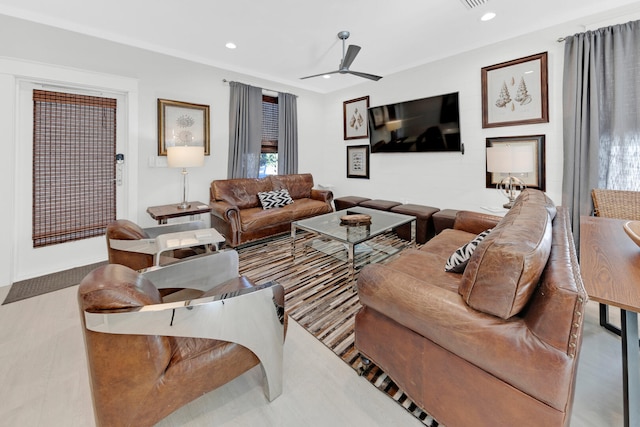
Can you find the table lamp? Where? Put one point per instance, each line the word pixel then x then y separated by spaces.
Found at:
pixel 510 159
pixel 184 156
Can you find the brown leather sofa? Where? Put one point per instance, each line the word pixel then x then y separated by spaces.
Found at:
pixel 237 214
pixel 496 345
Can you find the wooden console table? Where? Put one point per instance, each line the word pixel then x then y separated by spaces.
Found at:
pixel 610 267
pixel 164 212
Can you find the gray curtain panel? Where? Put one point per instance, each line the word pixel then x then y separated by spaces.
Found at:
pixel 245 130
pixel 601 105
pixel 287 134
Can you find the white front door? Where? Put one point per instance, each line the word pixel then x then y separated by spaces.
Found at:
pixel 29 261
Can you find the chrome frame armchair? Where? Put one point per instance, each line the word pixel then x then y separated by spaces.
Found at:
pixel 252 317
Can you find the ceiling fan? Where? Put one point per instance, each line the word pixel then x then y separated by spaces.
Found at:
pixel 347 59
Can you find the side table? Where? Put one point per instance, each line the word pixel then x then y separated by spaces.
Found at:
pixel 610 269
pixel 207 237
pixel 164 212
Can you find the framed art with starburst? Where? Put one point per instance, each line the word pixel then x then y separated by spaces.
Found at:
pixel 355 118
pixel 182 123
pixel 515 92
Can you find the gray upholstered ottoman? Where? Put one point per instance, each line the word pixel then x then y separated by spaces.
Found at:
pixel 425 229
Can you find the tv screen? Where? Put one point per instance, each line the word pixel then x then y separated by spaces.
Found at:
pixel 422 125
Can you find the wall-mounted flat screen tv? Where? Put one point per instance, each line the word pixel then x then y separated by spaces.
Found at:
pixel 421 125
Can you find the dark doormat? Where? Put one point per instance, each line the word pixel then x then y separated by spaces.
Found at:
pixel 51 282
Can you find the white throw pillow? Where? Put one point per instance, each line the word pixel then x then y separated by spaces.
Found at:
pixel 275 199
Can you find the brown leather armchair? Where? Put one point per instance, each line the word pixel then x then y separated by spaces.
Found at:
pixel 147 358
pixel 125 230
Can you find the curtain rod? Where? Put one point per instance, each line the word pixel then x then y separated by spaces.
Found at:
pixel 263 88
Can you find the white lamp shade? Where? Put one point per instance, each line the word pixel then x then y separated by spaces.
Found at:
pixel 183 156
pixel 510 159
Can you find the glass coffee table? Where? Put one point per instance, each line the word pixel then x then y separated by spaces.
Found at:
pixel 351 243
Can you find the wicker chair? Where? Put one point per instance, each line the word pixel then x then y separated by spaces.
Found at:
pixel 617 204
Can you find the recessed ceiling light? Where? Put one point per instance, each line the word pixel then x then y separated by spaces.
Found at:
pixel 327 76
pixel 488 16
pixel 230 45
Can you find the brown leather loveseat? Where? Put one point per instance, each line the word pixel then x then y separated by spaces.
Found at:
pixel 495 345
pixel 237 212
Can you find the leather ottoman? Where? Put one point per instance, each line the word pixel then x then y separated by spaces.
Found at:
pixel 347 202
pixel 381 205
pixel 444 219
pixel 425 229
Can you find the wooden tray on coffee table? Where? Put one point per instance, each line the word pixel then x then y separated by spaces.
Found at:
pixel 355 219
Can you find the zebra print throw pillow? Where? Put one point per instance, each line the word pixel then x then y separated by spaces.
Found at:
pixel 457 262
pixel 275 199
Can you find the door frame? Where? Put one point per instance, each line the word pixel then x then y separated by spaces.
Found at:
pixel 25 262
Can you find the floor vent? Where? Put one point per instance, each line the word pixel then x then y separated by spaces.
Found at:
pixel 470 4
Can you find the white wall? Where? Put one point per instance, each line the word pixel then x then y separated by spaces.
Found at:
pixel 445 180
pixel 449 180
pixel 157 76
pixel 452 180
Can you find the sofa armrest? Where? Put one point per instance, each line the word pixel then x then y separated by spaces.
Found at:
pixel 475 222
pixel 506 349
pixel 322 195
pixel 226 211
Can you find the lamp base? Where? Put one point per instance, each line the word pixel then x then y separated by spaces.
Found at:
pixel 183 205
pixel 508 187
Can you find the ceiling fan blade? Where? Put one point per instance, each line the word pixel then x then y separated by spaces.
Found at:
pixel 351 54
pixel 318 75
pixel 365 75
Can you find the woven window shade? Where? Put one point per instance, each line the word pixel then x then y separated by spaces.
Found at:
pixel 74 147
pixel 269 124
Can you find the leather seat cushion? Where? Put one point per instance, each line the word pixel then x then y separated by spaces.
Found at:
pixel 426 265
pixel 505 268
pixel 258 218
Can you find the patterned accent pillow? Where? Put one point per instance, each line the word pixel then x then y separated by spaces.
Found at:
pixel 458 261
pixel 274 199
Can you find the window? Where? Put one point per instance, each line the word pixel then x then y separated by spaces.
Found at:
pixel 269 150
pixel 74 146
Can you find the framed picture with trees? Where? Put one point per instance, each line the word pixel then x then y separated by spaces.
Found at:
pixel 515 92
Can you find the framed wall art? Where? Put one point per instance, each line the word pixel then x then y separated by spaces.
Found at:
pixel 533 179
pixel 182 123
pixel 515 92
pixel 358 161
pixel 355 118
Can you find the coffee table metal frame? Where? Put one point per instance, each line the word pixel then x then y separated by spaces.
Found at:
pixel 328 226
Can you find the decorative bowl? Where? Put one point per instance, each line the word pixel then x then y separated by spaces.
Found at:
pixel 632 228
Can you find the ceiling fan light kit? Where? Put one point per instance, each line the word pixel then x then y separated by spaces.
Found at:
pixel 347 58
